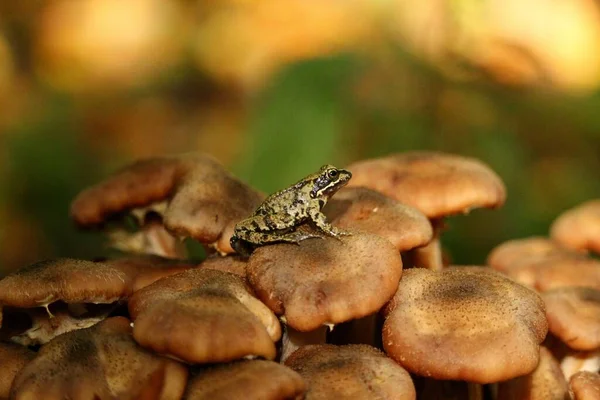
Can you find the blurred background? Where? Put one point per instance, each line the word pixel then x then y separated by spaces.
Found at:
pixel 276 88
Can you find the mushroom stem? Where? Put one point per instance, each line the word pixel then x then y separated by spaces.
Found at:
pixel 150 239
pixel 293 339
pixel 475 391
pixel 365 330
pixel 430 255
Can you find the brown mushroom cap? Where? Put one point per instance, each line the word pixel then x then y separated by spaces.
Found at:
pixel 585 385
pixel 232 263
pixel 325 281
pixel 546 382
pixel 362 209
pixel 202 316
pixel 13 357
pixel 350 372
pixel 574 316
pixel 438 184
pixel 251 379
pixel 464 323
pixel 99 362
pixel 513 253
pixel 80 281
pixel 543 265
pixel 204 200
pixel 579 227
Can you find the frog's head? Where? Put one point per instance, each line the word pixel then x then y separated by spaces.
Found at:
pixel 328 181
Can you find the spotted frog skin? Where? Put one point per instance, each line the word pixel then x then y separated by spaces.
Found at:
pixel 277 218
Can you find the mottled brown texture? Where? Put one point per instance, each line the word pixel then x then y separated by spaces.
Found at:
pixel 203 316
pixel 80 281
pixel 438 184
pixel 579 227
pixel 204 201
pixel 246 380
pixel 574 316
pixel 585 385
pixel 325 281
pixel 464 323
pixel 13 357
pixel 540 264
pixel 365 210
pixel 350 372
pixel 546 382
pixel 102 361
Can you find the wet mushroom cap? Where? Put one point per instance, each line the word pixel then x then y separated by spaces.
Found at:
pixel 13 357
pixel 585 385
pixel 365 210
pixel 545 382
pixel 99 362
pixel 438 184
pixel 574 316
pixel 350 372
pixel 464 323
pixel 202 316
pixel 325 280
pixel 203 200
pixel 232 263
pixel 579 227
pixel 250 379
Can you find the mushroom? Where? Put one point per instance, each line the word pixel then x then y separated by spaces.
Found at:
pixel 322 282
pixel 543 265
pixel 192 193
pixel 232 263
pixel 464 323
pixel 574 316
pixel 350 372
pixel 545 382
pixel 13 357
pixel 585 386
pixel 574 362
pixel 364 210
pixel 248 379
pixel 438 184
pixel 82 285
pixel 579 227
pixel 202 316
pixel 102 362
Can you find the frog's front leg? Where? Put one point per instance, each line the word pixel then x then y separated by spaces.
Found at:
pixel 321 222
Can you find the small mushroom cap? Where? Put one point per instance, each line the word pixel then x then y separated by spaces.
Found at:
pixel 464 323
pixel 585 385
pixel 13 357
pixel 250 379
pixel 579 227
pixel 350 372
pixel 204 201
pixel 325 281
pixel 545 382
pixel 438 184
pixel 513 253
pixel 574 316
pixel 365 210
pixel 138 185
pixel 99 362
pixel 541 264
pixel 80 281
pixel 202 316
pixel 69 280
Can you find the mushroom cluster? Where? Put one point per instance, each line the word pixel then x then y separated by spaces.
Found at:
pixel 329 317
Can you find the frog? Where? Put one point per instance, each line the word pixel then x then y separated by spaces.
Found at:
pixel 277 218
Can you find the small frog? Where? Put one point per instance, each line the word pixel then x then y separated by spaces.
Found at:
pixel 277 218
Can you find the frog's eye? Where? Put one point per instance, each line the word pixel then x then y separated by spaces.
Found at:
pixel 333 173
